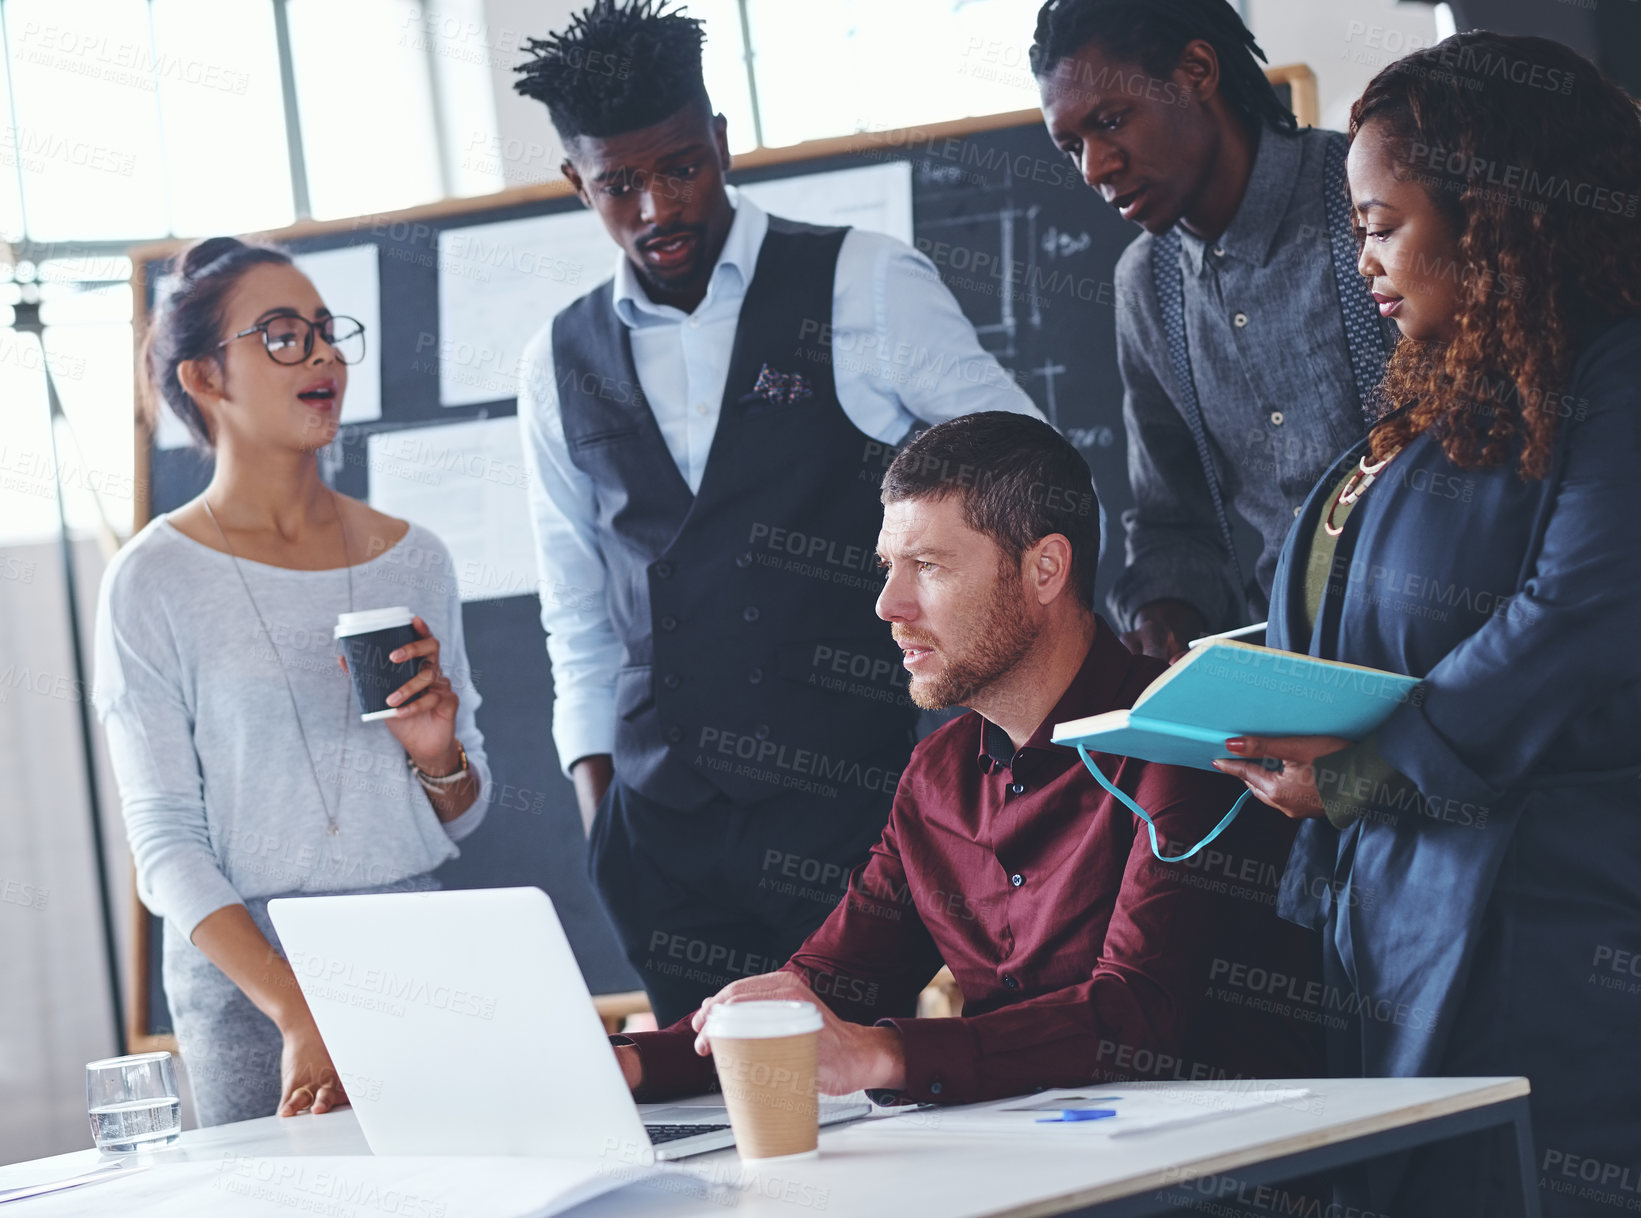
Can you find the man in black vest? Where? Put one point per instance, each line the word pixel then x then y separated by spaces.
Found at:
pixel 706 433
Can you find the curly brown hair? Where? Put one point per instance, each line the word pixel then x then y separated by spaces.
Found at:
pixel 1534 156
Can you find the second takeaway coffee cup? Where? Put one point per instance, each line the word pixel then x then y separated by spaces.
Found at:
pixel 765 1053
pixel 368 637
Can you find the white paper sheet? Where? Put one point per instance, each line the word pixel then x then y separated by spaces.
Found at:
pixel 877 198
pixel 467 482
pixel 349 281
pixel 254 1186
pixel 1140 1109
pixel 500 283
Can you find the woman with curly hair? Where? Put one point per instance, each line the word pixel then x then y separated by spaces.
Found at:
pixel 1474 865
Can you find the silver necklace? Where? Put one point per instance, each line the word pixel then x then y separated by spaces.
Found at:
pixel 347 565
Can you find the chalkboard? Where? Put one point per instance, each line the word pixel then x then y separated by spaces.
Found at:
pixel 1027 249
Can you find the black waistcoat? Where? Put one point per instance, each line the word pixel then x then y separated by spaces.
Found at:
pixel 754 661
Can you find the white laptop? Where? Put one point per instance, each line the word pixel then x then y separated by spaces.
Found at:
pixel 460 1024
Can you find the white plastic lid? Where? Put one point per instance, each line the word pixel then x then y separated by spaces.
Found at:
pixel 366 620
pixel 762 1020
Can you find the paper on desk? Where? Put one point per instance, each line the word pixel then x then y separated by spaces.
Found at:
pixel 1140 1109
pixel 256 1186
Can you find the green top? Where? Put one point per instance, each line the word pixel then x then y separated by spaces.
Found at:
pixel 1356 779
pixel 1319 563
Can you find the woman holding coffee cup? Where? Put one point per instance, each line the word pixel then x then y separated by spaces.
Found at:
pixel 251 764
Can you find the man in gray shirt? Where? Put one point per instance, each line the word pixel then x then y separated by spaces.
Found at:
pixel 1249 345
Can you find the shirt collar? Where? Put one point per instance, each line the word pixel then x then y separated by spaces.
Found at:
pixel 731 273
pixel 1094 690
pixel 1253 229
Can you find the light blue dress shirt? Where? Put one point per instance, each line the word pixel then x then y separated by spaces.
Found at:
pixel 902 352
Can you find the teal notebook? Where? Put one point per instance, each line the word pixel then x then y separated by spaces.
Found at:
pixel 1225 688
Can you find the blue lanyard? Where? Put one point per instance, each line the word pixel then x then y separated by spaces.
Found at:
pixel 1150 825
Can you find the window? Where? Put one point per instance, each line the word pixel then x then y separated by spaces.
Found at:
pixel 723 64
pixel 11 195
pixel 85 130
pixel 365 99
pixel 222 112
pixel 862 65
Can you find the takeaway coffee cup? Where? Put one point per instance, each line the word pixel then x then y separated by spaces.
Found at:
pixel 368 637
pixel 765 1053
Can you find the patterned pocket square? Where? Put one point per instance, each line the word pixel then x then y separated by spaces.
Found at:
pixel 782 388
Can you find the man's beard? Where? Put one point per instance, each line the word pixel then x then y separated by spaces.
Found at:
pixel 1000 639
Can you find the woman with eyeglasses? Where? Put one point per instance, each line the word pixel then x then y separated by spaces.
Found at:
pixel 1474 865
pixel 245 769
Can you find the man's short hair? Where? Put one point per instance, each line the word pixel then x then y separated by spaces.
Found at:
pixel 1153 34
pixel 619 66
pixel 1019 481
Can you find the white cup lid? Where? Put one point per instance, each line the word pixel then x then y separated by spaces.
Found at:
pixel 366 620
pixel 762 1019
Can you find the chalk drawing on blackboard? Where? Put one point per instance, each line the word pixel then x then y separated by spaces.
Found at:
pixel 1049 370
pixel 1009 281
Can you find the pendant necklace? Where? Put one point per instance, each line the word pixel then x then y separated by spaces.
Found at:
pixel 1355 486
pixel 330 820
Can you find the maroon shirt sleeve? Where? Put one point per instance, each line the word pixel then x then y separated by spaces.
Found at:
pixel 671 1067
pixel 870 958
pixel 1142 995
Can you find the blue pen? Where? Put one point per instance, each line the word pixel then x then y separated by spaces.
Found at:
pixel 1078 1114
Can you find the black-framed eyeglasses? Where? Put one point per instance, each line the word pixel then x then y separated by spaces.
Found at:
pixel 289 338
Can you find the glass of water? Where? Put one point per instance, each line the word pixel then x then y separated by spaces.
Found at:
pixel 133 1102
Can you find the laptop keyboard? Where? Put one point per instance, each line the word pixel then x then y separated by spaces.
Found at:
pixel 671 1133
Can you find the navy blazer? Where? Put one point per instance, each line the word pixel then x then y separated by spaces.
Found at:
pixel 1477 927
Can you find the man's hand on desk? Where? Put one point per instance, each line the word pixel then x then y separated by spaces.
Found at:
pixel 592 776
pixel 852 1056
pixel 1163 628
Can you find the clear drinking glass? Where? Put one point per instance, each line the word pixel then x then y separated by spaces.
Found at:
pixel 133 1102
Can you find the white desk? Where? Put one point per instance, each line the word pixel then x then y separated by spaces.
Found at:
pixel 867 1171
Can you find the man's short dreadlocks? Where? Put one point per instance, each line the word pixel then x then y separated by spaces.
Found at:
pixel 619 66
pixel 1152 33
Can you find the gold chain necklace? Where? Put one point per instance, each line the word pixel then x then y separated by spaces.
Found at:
pixel 313 768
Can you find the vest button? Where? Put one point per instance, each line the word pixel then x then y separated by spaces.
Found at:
pixel 1017 879
pixel 662 570
pixel 669 623
pixel 763 731
pixel 675 734
pixel 744 560
pixel 750 613
pixel 672 680
pixel 1010 982
pixel 756 675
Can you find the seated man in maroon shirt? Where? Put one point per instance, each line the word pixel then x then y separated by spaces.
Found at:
pixel 1080 956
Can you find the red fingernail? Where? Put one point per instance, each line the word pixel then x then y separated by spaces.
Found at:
pixel 1237 743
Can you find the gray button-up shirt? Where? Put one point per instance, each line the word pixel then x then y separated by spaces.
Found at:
pixel 1273 377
